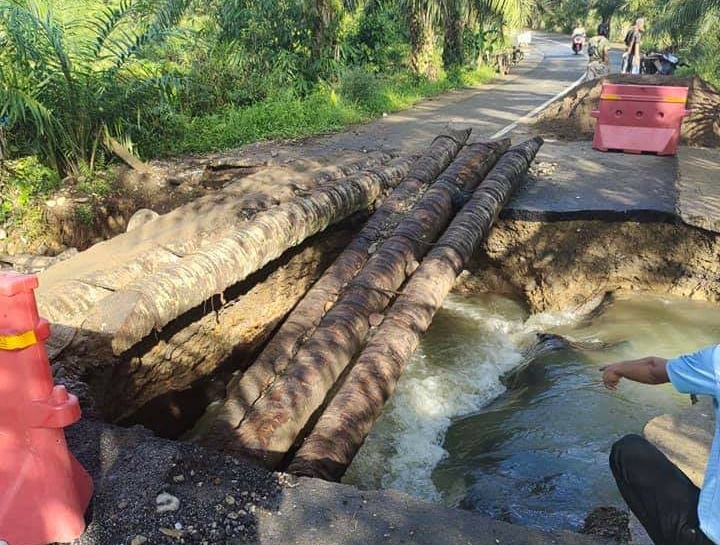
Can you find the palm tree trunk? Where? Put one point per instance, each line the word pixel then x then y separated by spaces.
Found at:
pixel 276 421
pixel 244 391
pixel 349 417
pixel 421 43
pixel 454 48
pixel 155 300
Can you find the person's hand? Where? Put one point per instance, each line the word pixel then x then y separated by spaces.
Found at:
pixel 610 376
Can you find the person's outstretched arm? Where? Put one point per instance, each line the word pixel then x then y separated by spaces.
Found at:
pixel 650 370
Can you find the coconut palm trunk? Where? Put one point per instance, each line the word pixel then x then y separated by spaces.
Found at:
pixel 155 300
pixel 276 421
pixel 349 417
pixel 245 390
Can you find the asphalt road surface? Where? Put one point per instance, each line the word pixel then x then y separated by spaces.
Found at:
pixel 549 69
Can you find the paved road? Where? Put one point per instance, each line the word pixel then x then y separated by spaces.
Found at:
pixel 548 69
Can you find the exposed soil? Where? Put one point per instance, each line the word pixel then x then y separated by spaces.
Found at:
pixel 562 265
pixel 569 117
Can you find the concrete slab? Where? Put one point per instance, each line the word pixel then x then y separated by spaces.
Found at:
pixel 685 437
pixel 578 182
pixel 699 187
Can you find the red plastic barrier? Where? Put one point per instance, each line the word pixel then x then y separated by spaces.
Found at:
pixel 640 118
pixel 44 490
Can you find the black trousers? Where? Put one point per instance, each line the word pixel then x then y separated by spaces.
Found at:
pixel 658 493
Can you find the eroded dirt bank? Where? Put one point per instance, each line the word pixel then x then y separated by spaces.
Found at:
pixel 548 265
pixel 568 264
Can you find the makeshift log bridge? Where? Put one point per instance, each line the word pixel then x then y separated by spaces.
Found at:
pixel 185 271
pixel 345 423
pixel 153 317
pixel 291 399
pixel 314 370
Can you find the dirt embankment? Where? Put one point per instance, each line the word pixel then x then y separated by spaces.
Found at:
pixel 563 265
pixel 569 117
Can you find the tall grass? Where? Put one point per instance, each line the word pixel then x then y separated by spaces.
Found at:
pixel 358 96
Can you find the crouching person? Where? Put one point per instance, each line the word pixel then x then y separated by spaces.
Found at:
pixel 671 508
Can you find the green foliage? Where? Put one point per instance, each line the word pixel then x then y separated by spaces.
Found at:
pixel 290 116
pixel 84 214
pixel 21 182
pixel 66 86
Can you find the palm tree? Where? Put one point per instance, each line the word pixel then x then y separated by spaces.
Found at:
pixel 66 87
pixel 688 20
pixel 460 14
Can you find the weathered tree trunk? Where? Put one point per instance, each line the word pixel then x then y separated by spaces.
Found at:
pixel 151 302
pixel 421 42
pixel 70 289
pixel 454 47
pixel 274 423
pixel 245 390
pixel 349 417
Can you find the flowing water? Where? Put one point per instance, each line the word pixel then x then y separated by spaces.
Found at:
pixel 535 454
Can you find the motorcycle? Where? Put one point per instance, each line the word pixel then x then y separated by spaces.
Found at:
pixel 577 43
pixel 662 64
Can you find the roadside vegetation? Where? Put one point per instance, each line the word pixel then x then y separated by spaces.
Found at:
pixel 82 79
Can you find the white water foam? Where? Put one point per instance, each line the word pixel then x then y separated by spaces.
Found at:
pixel 455 377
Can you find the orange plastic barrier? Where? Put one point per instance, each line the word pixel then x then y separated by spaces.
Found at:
pixel 640 118
pixel 44 490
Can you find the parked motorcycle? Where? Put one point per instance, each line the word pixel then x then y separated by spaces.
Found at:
pixel 662 64
pixel 577 43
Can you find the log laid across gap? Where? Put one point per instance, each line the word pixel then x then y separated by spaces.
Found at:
pixel 66 297
pixel 276 421
pixel 151 302
pixel 245 389
pixel 341 430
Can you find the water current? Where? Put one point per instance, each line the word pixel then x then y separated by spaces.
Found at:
pixel 534 454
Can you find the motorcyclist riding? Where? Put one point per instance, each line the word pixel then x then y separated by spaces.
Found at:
pixel 578 38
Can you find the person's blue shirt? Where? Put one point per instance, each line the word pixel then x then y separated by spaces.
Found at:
pixel 699 373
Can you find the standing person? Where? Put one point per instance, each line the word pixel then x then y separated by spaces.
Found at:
pixel 598 55
pixel 626 54
pixel 634 47
pixel 671 508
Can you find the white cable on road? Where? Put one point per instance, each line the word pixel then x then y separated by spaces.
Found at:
pixel 536 111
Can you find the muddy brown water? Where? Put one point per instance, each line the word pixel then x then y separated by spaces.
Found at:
pixel 536 454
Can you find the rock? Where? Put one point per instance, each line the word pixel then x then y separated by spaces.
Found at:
pixel 3 234
pixel 229 500
pixel 140 218
pixel 376 319
pixel 172 532
pixel 608 522
pixel 138 540
pixel 685 437
pixel 166 502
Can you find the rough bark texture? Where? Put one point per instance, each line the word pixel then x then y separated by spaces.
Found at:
pixel 349 417
pixel 161 378
pixel 274 423
pixel 246 389
pixel 151 302
pixel 69 290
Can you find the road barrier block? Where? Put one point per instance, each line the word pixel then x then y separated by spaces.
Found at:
pixel 44 491
pixel 640 118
